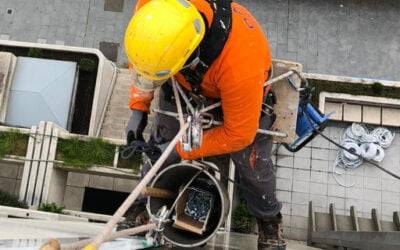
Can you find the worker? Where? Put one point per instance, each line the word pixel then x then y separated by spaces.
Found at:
pixel 215 49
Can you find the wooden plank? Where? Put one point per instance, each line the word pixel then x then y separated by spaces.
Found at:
pixel 354 218
pixel 396 220
pixel 44 156
pixel 332 214
pixel 158 193
pixel 27 165
pixel 375 219
pixel 287 100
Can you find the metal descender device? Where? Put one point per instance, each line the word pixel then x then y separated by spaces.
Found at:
pixel 309 118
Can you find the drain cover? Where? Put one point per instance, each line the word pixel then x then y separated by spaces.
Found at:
pixel 114 5
pixel 110 50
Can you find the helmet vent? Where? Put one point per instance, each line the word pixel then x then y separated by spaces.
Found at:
pixel 184 3
pixel 163 73
pixel 197 25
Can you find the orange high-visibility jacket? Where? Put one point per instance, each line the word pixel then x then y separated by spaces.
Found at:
pixel 236 77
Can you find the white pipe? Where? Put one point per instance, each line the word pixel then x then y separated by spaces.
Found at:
pixel 119 234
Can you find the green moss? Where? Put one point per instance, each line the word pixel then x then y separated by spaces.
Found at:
pixel 242 220
pixel 51 207
pixel 10 200
pixel 13 143
pixel 83 154
pixel 35 52
pixel 376 89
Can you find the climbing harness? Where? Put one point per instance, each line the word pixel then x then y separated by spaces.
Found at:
pixel 212 45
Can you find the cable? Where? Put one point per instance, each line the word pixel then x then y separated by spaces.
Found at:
pixel 135 147
pixel 369 161
pixel 357 129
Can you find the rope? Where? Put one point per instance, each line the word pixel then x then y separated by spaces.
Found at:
pixel 358 141
pixel 135 147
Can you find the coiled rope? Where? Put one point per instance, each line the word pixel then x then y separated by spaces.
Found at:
pixel 359 144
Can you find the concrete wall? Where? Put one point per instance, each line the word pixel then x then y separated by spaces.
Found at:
pixel 10 176
pixel 77 182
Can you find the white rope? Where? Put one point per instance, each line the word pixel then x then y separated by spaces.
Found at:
pixel 359 140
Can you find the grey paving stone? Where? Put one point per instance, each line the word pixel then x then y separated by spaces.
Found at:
pixel 298 234
pixel 284 161
pixel 319 200
pixel 102 182
pixel 391 197
pixel 73 198
pixel 318 188
pixel 355 193
pixel 286 208
pixel 78 179
pixel 320 165
pixel 299 174
pixel 8 170
pixel 125 185
pixel 299 222
pixel 388 209
pixel 17 187
pixel 284 172
pixel 300 198
pixel 284 196
pixel 299 210
pixel 320 142
pixel 7 185
pixel 301 186
pixel 320 153
pixel 372 195
pixel 303 163
pixel 336 191
pixel 303 153
pixel 319 177
pixel 284 184
pixel 373 183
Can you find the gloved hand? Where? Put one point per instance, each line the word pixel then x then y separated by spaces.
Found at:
pixel 157 150
pixel 136 125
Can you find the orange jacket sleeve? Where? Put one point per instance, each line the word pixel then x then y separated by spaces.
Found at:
pixel 241 105
pixel 140 100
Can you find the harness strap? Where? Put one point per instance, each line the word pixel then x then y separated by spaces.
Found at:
pixel 212 44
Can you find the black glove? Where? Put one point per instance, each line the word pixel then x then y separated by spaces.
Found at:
pixel 136 125
pixel 157 150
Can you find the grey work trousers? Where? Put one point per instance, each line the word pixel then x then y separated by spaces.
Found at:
pixel 253 163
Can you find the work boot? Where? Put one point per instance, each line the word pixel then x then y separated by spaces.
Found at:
pixel 270 233
pixel 135 216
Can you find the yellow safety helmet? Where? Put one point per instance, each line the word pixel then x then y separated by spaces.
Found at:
pixel 160 38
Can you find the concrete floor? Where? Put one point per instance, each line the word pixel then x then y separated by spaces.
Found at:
pixel 343 37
